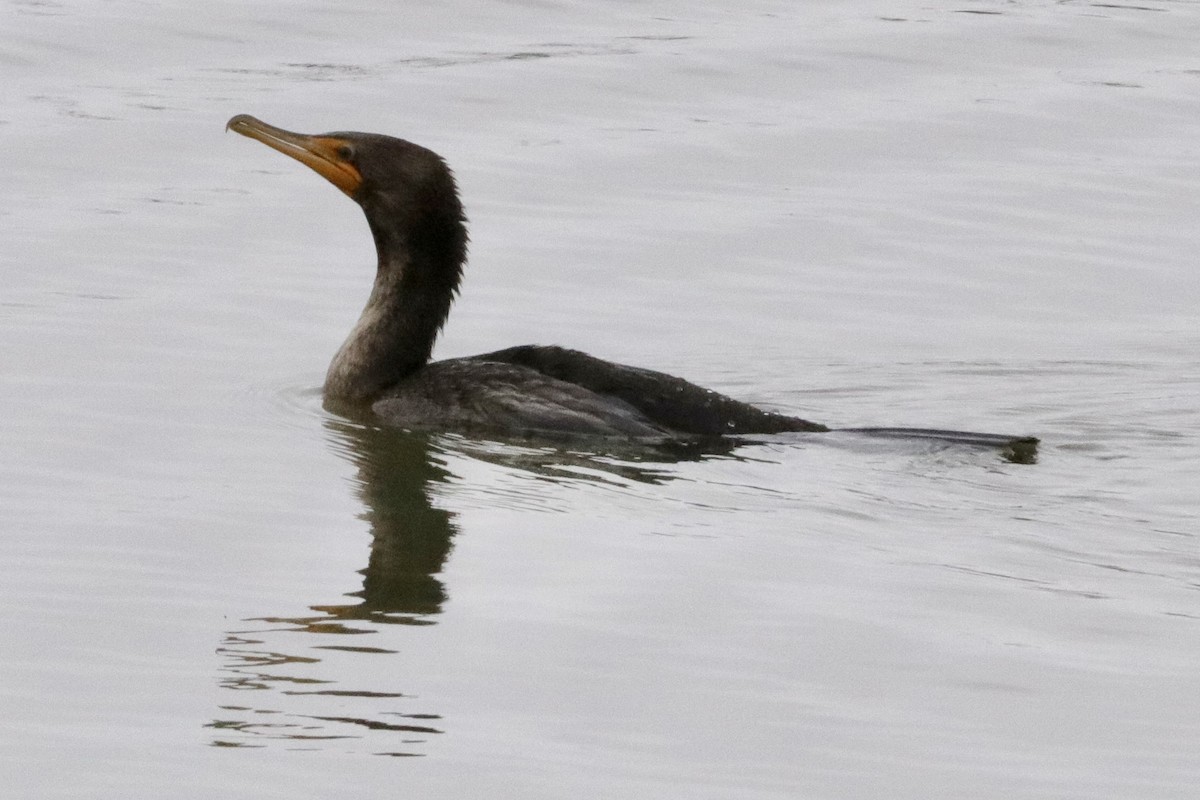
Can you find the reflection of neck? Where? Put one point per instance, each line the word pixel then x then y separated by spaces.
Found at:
pixel 411 537
pixel 420 265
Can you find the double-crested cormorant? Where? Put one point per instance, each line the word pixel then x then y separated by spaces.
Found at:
pixel 412 206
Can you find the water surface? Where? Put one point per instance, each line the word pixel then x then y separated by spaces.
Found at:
pixel 978 216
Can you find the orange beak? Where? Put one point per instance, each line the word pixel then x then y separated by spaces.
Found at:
pixel 321 153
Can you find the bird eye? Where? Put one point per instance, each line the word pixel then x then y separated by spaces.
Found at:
pixel 345 152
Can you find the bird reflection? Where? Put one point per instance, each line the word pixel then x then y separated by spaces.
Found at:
pixel 410 536
pixel 399 474
pixel 400 477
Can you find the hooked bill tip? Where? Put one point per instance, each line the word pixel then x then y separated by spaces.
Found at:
pixel 238 121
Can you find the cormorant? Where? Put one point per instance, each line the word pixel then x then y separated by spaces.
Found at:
pixel 411 202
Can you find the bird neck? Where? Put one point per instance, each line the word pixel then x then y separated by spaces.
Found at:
pixel 417 277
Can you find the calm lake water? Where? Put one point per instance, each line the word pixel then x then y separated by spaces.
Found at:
pixel 978 215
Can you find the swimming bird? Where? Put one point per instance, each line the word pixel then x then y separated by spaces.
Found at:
pixel 412 205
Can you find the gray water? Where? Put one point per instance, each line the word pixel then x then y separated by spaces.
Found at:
pixel 978 215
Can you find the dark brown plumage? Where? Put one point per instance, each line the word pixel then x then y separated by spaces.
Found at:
pixel 416 218
pixel 412 205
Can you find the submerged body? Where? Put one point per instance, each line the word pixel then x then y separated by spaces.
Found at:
pixel 551 390
pixel 411 202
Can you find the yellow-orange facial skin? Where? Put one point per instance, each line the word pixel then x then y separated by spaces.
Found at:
pixel 320 153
